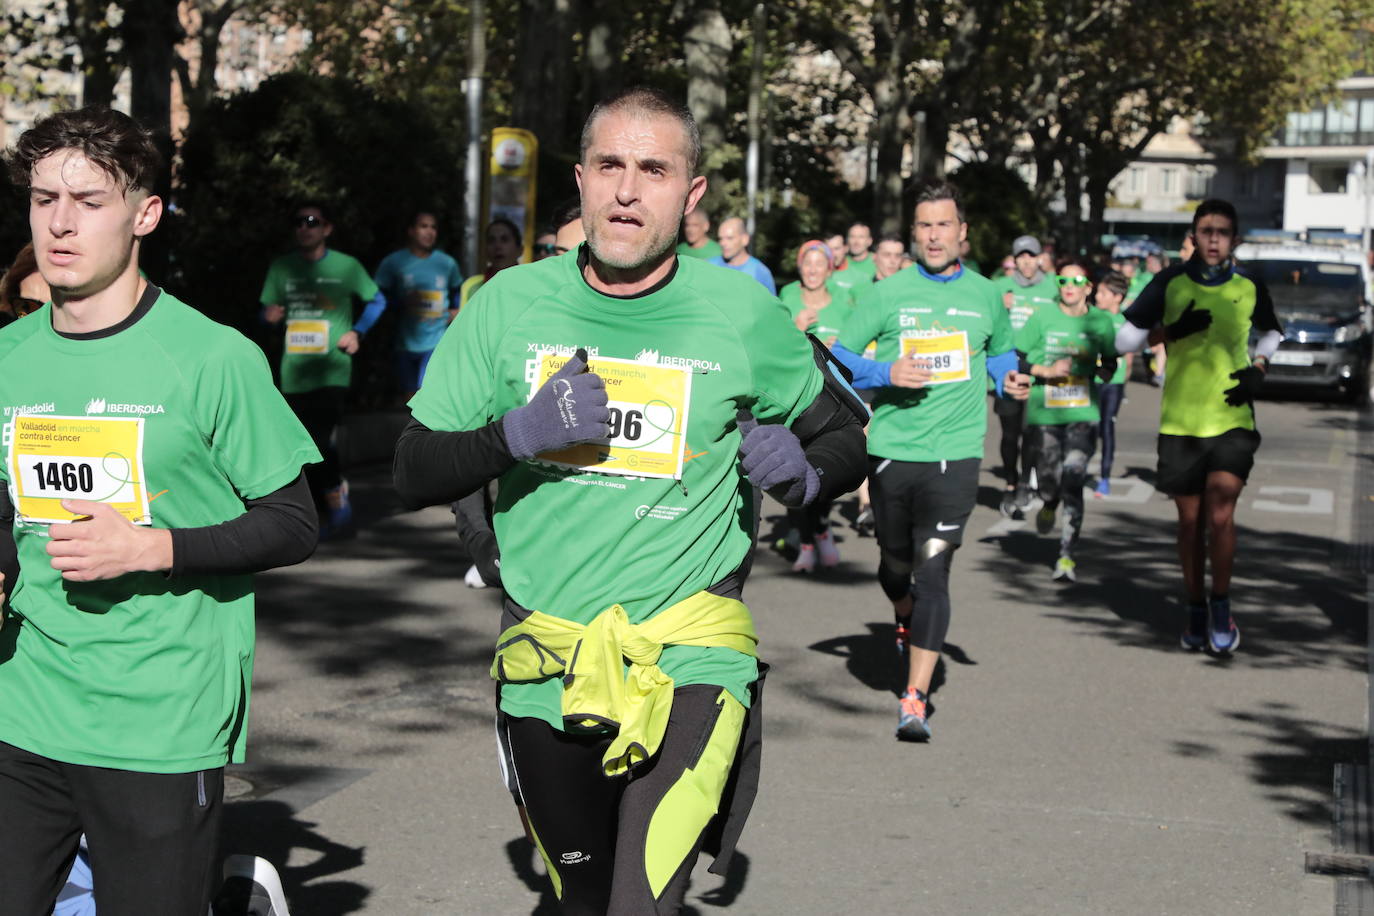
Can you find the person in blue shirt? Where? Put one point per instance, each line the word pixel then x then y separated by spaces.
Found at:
pixel 734 253
pixel 423 282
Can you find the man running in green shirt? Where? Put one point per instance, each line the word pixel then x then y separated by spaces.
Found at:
pixel 1205 311
pixel 313 291
pixel 149 468
pixel 1024 292
pixel 617 395
pixel 696 237
pixel 859 242
pixel 940 330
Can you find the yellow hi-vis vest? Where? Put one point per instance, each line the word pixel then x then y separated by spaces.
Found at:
pixel 597 691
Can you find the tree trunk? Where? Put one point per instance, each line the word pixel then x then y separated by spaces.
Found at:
pixel 543 52
pixel 890 130
pixel 100 66
pixel 707 47
pixel 150 32
pixel 934 143
pixel 1072 230
pixel 1099 181
pixel 603 53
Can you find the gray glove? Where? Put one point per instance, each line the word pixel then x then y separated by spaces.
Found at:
pixel 774 461
pixel 567 409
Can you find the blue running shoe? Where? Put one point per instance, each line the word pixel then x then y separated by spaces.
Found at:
pixel 913 718
pixel 1104 488
pixel 1222 633
pixel 1195 636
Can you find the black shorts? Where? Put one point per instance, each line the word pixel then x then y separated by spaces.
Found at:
pixel 1185 461
pixel 915 501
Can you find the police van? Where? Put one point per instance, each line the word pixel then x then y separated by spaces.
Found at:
pixel 1320 283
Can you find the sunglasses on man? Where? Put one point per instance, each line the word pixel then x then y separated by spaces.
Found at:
pixel 307 221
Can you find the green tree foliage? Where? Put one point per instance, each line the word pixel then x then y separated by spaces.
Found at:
pixel 255 155
pixel 999 206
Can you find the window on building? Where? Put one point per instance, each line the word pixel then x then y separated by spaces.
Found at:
pixel 1199 184
pixel 1304 128
pixel 1327 177
pixel 1168 181
pixel 1341 118
pixel 1135 179
pixel 1248 183
pixel 1366 135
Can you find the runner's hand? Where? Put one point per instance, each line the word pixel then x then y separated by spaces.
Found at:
pixel 907 372
pixel 1060 368
pixel 105 545
pixel 805 318
pixel 569 408
pixel 1248 383
pixel 1107 369
pixel 1190 322
pixel 273 314
pixel 774 461
pixel 1017 385
pixel 349 342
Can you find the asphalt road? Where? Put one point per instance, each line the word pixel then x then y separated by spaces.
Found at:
pixel 1081 762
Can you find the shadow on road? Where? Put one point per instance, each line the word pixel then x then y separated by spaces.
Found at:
pixel 270 829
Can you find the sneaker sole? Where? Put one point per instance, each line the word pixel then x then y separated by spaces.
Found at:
pixel 1192 646
pixel 916 732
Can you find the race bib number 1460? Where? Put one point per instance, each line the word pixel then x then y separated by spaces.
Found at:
pixel 94 458
pixel 648 406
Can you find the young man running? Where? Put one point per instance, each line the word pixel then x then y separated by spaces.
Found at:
pixel 1204 311
pixel 1026 290
pixel 859 242
pixel 150 467
pixel 1110 293
pixel 606 392
pixel 313 290
pixel 940 331
pixel 423 282
pixel 1062 347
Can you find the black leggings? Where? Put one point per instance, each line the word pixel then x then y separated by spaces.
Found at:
pixel 1109 402
pixel 1062 454
pixel 811 520
pixel 154 837
pixel 1012 413
pixel 605 852
pixel 320 412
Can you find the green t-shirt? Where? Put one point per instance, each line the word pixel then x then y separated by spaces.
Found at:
pixel 706 252
pixel 867 269
pixel 143 672
pixel 1141 280
pixel 318 297
pixel 956 324
pixel 1051 335
pixel 831 318
pixel 1200 365
pixel 575 543
pixel 1026 300
pixel 1118 319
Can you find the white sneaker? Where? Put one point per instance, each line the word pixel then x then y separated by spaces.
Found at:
pixel 474 579
pixel 826 549
pixel 251 888
pixel 806 560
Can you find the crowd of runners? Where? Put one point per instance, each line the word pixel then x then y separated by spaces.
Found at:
pixel 603 423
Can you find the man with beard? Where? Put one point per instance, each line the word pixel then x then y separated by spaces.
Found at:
pixel 613 394
pixel 734 254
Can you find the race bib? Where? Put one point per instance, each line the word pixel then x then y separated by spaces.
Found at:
pixel 307 335
pixel 95 458
pixel 944 353
pixel 1073 392
pixel 427 303
pixel 648 406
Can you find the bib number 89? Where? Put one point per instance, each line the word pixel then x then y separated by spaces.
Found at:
pixel 65 476
pixel 938 361
pixel 626 424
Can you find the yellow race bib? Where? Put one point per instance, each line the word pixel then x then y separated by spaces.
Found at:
pixel 1072 392
pixel 648 405
pixel 427 303
pixel 944 353
pixel 95 458
pixel 307 335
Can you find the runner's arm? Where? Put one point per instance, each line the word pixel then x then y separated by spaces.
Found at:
pixel 279 529
pixel 371 312
pixel 433 467
pixel 868 373
pixel 1266 321
pixel 831 430
pixel 9 553
pixel 998 366
pixel 1145 315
